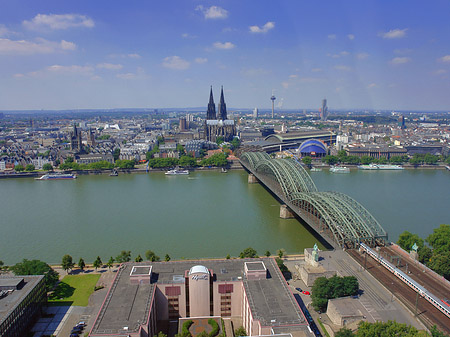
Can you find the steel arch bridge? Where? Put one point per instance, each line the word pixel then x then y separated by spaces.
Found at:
pixel 335 214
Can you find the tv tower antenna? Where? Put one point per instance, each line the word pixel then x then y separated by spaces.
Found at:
pixel 273 98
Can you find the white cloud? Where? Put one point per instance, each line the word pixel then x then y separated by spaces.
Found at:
pixel 372 85
pixel 440 72
pixel 316 70
pixel 351 36
pixel 72 69
pixel 41 46
pixel 188 36
pixel 201 60
pixel 264 29
pixel 394 34
pixel 134 56
pixel 59 21
pixel 445 59
pixel 225 45
pixel 131 56
pixel 400 60
pixel 402 51
pixel 213 12
pixel 362 56
pixel 342 67
pixel 109 66
pixel 332 36
pixel 4 31
pixel 139 74
pixel 65 45
pixel 341 54
pixel 175 63
pixel 285 85
pixel 293 76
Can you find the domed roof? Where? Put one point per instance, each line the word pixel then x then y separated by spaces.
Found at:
pixel 313 145
pixel 198 269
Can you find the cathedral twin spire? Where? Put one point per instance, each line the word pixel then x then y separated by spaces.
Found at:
pixel 222 108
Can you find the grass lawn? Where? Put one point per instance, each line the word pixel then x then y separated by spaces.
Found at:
pixel 74 289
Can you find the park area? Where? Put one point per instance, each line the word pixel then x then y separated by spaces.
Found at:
pixel 74 290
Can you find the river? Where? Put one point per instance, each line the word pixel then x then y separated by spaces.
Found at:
pixel 205 214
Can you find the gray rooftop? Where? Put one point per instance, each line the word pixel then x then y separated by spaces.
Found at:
pixel 255 266
pixel 14 298
pixel 128 305
pixel 10 281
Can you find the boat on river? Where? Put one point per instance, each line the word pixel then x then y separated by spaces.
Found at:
pixel 339 169
pixel 315 169
pixel 57 176
pixel 176 172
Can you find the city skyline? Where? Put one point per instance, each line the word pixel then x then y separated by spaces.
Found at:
pixel 371 55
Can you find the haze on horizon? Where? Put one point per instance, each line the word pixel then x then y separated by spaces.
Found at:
pixel 103 54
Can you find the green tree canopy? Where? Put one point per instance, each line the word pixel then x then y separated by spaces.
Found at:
pixel 67 262
pixel 151 256
pixel 330 160
pixel 388 329
pixel 124 256
pixel 36 267
pixel 167 258
pixel 116 153
pixel 440 239
pixel 240 332
pixel 324 289
pixel 19 168
pixel 138 258
pixel 187 161
pixel 307 161
pixel 439 262
pixel 406 240
pixel 248 252
pixel 81 264
pixel 344 332
pixel 97 263
pixel 110 262
pixel 125 164
pixel 29 168
pixel 47 167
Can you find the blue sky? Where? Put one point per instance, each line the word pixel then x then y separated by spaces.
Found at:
pixel 115 54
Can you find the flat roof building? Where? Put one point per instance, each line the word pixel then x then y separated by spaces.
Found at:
pixel 145 296
pixel 21 301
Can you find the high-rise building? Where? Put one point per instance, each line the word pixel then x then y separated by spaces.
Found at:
pixel 75 140
pixel 255 113
pixel 183 124
pixel 219 126
pixel 324 110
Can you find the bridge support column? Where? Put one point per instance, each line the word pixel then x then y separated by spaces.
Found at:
pixel 285 212
pixel 252 179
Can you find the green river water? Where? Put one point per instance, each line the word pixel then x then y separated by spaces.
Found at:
pixel 205 214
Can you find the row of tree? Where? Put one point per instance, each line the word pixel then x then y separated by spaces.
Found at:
pixel 70 164
pixel 434 251
pixel 417 159
pixel 219 160
pixel 387 329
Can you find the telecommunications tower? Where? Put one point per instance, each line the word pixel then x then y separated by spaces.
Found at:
pixel 273 98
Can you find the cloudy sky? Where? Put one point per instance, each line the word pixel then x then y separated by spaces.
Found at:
pixel 378 54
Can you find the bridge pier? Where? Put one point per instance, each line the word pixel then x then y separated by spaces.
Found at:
pixel 252 179
pixel 285 212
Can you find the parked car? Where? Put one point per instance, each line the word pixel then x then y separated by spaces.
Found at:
pixel 298 289
pixel 305 292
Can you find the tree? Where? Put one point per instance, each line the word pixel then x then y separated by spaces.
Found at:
pixel 307 161
pixel 440 239
pixel 67 262
pixel 19 168
pixel 344 332
pixel 110 262
pixel 323 289
pixel 160 334
pixel 36 267
pixel 425 254
pixel 439 262
pixel 236 142
pixel 280 252
pixel 97 263
pixel 151 256
pixel 267 253
pixel 29 168
pixel 248 252
pixel 281 265
pixel 81 264
pixel 167 258
pixel 390 328
pixel 124 256
pixel 406 240
pixel 138 258
pixel 47 167
pixel 187 161
pixel 181 150
pixel 228 257
pixel 240 332
pixel 1 265
pixel 116 154
pixel 219 140
pixel 125 164
pixel 330 160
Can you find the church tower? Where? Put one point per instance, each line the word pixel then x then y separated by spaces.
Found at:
pixel 222 107
pixel 211 112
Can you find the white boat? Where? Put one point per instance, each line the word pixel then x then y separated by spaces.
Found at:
pixel 224 170
pixel 447 167
pixel 368 167
pixel 339 169
pixel 176 172
pixel 390 167
pixel 55 176
pixel 316 169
